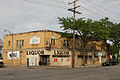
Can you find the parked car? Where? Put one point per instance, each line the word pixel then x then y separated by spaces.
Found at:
pixel 1 64
pixel 110 62
pixel 1 59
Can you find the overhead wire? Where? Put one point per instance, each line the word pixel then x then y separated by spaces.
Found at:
pixel 47 3
pixel 115 18
pixel 89 10
pixel 84 12
pixel 57 1
pixel 59 4
pixel 101 7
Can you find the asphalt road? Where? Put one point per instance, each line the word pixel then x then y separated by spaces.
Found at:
pixel 97 73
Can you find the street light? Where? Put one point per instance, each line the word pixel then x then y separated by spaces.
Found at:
pixel 12 43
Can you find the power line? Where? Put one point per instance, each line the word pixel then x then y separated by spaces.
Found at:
pixel 115 18
pixel 96 14
pixel 89 10
pixel 101 7
pixel 47 3
pixel 92 11
pixel 57 1
pixel 84 12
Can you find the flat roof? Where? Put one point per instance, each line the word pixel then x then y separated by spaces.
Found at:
pixel 35 32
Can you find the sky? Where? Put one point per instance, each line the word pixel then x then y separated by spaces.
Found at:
pixel 30 15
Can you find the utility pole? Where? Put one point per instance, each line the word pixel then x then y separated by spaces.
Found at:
pixel 74 12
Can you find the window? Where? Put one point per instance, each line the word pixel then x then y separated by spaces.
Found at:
pixel 52 41
pixel 19 43
pixel 93 45
pixel 89 57
pixel 22 43
pixel 80 56
pixel 8 43
pixel 66 43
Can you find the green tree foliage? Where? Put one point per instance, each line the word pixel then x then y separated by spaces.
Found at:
pixel 113 50
pixel 115 36
pixel 86 29
pixel 101 29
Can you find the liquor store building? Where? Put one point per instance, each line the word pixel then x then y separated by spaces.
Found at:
pixel 43 47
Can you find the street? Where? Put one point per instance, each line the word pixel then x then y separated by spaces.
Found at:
pixel 96 73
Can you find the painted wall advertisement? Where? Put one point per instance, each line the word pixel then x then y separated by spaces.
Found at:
pixel 14 55
pixel 35 40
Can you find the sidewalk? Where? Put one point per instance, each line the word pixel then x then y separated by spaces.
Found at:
pixel 89 65
pixel 93 65
pixel 51 67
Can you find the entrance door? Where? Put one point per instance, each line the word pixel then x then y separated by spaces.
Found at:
pixel 44 60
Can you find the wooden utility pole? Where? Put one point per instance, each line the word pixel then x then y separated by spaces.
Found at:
pixel 74 12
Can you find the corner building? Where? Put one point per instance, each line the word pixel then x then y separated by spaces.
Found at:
pixel 45 47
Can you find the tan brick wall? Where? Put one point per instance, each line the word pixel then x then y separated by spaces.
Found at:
pixel 44 35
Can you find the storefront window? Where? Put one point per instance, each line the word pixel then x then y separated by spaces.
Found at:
pixel 80 56
pixel 89 57
pixel 104 56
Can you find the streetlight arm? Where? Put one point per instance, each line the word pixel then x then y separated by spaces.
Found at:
pixel 7 31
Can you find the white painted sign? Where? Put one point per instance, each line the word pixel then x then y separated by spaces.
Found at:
pixel 14 55
pixel 99 54
pixel 35 40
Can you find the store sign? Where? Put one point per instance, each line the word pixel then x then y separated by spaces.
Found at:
pixel 103 54
pixel 40 52
pixel 99 53
pixel 61 52
pixel 55 60
pixel 35 40
pixel 14 55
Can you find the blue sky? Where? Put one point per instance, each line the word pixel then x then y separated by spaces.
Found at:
pixel 22 16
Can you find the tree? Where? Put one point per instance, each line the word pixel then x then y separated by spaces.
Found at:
pixel 115 35
pixel 113 51
pixel 86 29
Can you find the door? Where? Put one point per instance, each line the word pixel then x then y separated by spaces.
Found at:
pixel 44 60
